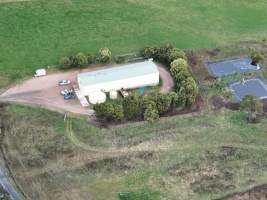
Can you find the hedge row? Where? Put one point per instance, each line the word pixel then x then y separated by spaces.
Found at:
pixel 165 54
pixel 135 107
pixel 176 60
pixel 80 60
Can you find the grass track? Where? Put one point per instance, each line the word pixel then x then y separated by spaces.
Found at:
pixel 38 33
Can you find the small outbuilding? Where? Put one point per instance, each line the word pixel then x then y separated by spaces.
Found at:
pixel 124 77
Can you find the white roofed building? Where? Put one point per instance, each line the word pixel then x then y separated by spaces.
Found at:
pixel 125 77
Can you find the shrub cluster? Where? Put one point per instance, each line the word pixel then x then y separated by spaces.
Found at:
pixel 186 87
pixel 80 60
pixel 164 54
pixel 109 111
pixel 135 107
pixel 256 58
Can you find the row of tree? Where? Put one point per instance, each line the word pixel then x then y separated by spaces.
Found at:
pixel 135 107
pixel 81 59
pixel 174 58
pixel 164 54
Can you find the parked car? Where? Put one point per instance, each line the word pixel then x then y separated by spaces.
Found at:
pixel 69 96
pixel 64 82
pixel 40 72
pixel 124 93
pixel 66 91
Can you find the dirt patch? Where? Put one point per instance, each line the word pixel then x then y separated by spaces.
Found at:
pixel 208 174
pixel 217 102
pixel 126 162
pixel 167 80
pixel 256 193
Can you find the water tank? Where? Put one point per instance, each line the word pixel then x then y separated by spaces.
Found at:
pixel 113 94
pixel 97 97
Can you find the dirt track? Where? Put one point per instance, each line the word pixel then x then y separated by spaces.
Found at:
pixel 45 92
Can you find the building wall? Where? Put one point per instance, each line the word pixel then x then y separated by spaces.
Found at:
pixel 130 83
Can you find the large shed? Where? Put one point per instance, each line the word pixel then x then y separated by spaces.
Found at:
pixel 125 77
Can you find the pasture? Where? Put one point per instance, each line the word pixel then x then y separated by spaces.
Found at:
pixel 194 157
pixel 37 33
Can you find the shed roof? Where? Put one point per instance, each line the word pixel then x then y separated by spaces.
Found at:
pixel 118 73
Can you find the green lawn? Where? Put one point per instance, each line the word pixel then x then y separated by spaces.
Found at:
pixel 38 33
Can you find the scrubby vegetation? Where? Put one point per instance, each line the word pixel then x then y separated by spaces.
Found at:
pixel 201 157
pixel 256 58
pixel 253 106
pixel 81 60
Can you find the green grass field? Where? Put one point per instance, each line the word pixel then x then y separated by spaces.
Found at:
pixel 37 33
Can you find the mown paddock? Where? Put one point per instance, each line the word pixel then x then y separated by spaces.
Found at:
pixel 38 33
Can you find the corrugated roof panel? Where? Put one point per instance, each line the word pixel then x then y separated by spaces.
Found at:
pixel 118 73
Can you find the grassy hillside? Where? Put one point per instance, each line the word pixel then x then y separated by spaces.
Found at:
pixel 191 157
pixel 38 33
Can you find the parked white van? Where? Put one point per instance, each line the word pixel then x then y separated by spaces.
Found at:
pixel 40 72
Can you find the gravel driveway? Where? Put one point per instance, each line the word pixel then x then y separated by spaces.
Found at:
pixel 45 92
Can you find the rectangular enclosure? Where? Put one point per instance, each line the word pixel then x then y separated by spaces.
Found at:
pixel 254 87
pixel 230 67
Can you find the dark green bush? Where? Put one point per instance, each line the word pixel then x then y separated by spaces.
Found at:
pixel 65 62
pixel 256 58
pixel 163 102
pixel 109 111
pixel 91 58
pixel 81 59
pixel 132 107
pixel 151 114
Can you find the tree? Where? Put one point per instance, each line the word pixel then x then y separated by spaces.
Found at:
pixel 90 58
pixel 163 102
pixel 160 54
pixel 180 63
pixel 109 111
pixel 74 61
pixel 253 106
pixel 81 59
pixel 132 107
pixel 151 114
pixel 174 100
pixel 189 91
pixel 65 62
pixel 149 52
pixel 118 113
pixel 256 58
pixel 179 70
pixel 104 55
pixel 176 53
